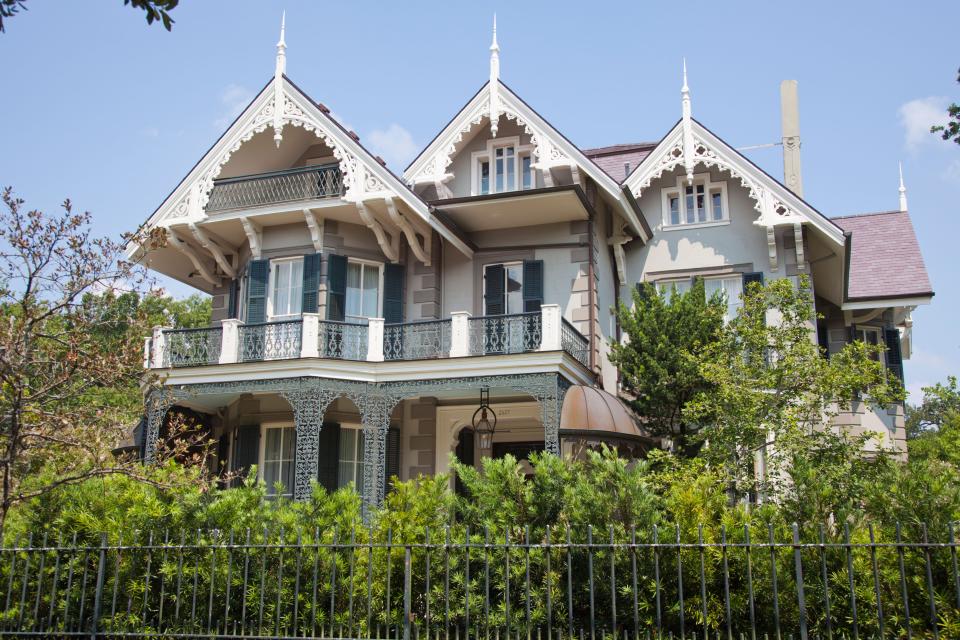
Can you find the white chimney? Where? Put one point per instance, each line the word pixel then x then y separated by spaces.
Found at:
pixel 790 127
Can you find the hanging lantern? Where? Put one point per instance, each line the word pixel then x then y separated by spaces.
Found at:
pixel 485 420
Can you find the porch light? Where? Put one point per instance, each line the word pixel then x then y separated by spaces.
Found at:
pixel 482 425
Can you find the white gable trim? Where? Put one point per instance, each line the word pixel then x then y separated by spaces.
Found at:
pixel 278 106
pixel 550 148
pixel 776 204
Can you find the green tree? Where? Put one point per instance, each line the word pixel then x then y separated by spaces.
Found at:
pixel 660 359
pixel 154 10
pixel 951 130
pixel 939 401
pixel 770 388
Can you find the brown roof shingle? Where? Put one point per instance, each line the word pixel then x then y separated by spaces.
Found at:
pixel 613 159
pixel 885 259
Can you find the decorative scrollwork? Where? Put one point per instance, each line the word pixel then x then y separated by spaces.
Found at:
pixel 416 340
pixel 518 333
pixel 270 340
pixel 191 347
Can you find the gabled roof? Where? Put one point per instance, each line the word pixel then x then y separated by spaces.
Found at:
pixel 884 260
pixel 619 159
pixel 551 148
pixel 365 177
pixel 689 143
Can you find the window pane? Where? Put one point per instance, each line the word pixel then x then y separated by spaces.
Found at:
pixel 717 205
pixel 296 287
pixel 674 210
pixel 281 288
pixel 498 174
pixel 347 458
pixel 734 289
pixel 527 174
pixel 688 192
pixel 511 169
pixel 514 273
pixel 353 289
pixel 701 206
pixel 371 290
pixel 485 177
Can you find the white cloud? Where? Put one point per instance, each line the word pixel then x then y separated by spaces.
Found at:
pixel 394 144
pixel 917 116
pixel 234 98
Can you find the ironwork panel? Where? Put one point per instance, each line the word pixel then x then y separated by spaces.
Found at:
pixel 493 335
pixel 307 183
pixel 342 340
pixel 270 340
pixel 417 340
pixel 574 343
pixel 192 347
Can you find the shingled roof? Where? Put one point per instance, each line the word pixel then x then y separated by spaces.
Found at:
pixel 613 159
pixel 885 260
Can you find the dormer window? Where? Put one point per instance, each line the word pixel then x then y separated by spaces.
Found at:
pixel 703 203
pixel 505 165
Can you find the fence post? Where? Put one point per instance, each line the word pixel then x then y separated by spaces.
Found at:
pixel 801 600
pixel 375 340
pixel 98 594
pixel 310 335
pixel 230 341
pixel 550 328
pixel 459 334
pixel 407 592
pixel 159 347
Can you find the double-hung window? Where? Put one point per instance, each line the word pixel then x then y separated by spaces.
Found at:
pixel 511 285
pixel 350 457
pixel 286 288
pixel 872 337
pixel 504 166
pixel 702 202
pixel 674 287
pixel 364 282
pixel 730 289
pixel 278 459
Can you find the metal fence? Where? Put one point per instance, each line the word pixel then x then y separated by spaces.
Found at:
pixel 291 185
pixel 554 583
pixel 517 333
pixel 420 340
pixel 270 340
pixel 574 342
pixel 191 347
pixel 342 340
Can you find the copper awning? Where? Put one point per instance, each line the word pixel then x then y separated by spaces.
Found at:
pixel 590 411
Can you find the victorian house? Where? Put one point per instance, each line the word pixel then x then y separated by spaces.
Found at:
pixel 362 318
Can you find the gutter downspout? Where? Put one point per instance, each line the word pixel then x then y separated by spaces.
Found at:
pixel 592 293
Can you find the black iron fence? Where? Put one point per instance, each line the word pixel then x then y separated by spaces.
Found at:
pixel 556 583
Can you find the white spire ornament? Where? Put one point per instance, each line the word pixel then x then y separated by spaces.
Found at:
pixel 494 80
pixel 279 70
pixel 903 190
pixel 688 162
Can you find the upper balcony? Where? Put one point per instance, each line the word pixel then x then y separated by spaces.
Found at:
pixel 460 336
pixel 315 182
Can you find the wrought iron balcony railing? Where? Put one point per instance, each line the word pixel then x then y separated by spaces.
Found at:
pixel 416 340
pixel 291 185
pixel 192 347
pixel 309 337
pixel 342 340
pixel 270 341
pixel 494 335
pixel 574 343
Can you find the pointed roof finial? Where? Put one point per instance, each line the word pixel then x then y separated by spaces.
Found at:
pixel 688 161
pixel 494 54
pixel 282 47
pixel 903 190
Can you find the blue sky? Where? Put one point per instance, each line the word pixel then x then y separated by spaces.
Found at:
pixel 102 109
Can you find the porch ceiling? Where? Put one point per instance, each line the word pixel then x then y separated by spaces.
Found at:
pixel 516 209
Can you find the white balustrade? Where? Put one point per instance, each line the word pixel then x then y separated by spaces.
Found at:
pixel 459 334
pixel 230 341
pixel 550 336
pixel 375 340
pixel 309 341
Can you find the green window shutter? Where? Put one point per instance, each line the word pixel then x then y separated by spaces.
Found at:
pixel 393 457
pixel 336 287
pixel 258 272
pixel 393 275
pixel 232 298
pixel 464 453
pixel 894 352
pixel 755 276
pixel 493 293
pixel 328 454
pixel 246 449
pixel 311 283
pixel 532 285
